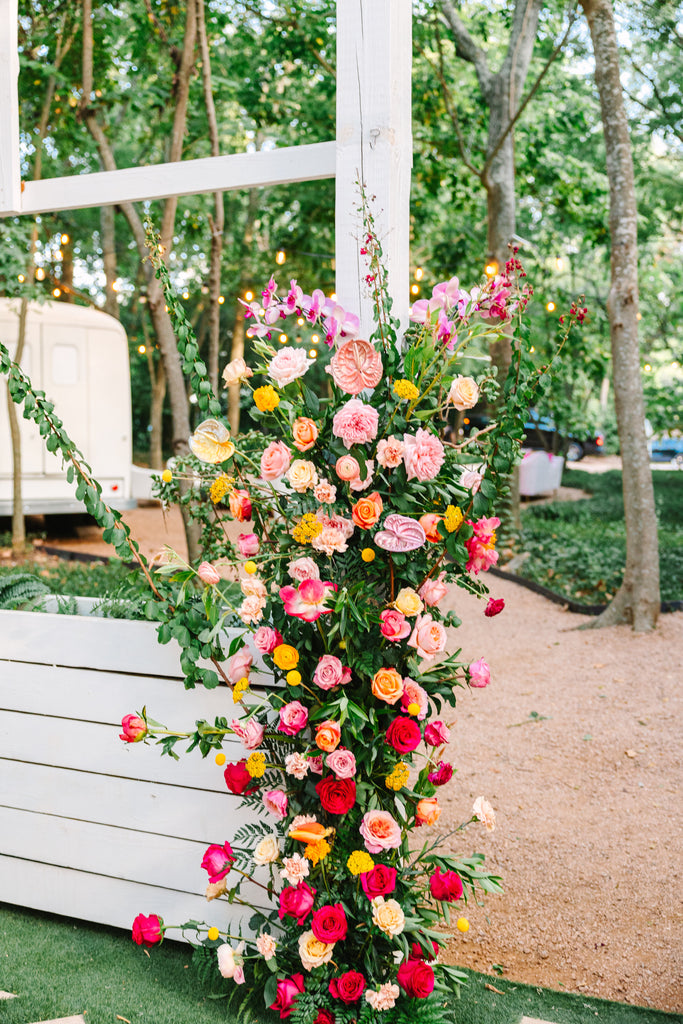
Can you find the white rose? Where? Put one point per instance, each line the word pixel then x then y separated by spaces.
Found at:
pixel 267 850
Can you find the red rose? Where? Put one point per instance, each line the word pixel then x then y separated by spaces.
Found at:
pixel 494 607
pixel 418 953
pixel 417 978
pixel 147 931
pixel 336 795
pixel 296 901
pixel 287 991
pixel 446 887
pixel 238 780
pixel 217 861
pixel 378 882
pixel 404 735
pixel 442 774
pixel 324 1017
pixel 348 987
pixel 329 923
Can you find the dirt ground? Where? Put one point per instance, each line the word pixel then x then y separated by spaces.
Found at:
pixel 587 794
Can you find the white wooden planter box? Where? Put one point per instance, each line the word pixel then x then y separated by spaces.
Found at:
pixel 90 826
pixel 539 473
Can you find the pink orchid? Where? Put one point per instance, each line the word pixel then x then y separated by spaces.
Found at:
pixel 307 602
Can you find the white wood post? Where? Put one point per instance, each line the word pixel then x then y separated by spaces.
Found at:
pixel 10 174
pixel 374 144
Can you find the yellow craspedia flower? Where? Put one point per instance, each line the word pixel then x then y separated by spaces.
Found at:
pixel 167 476
pixel 453 518
pixel 315 852
pixel 213 934
pixel 359 862
pixel 250 567
pixel 462 924
pixel 266 398
pixel 286 657
pixel 307 528
pixel 398 777
pixel 405 389
pixel 368 555
pixel 239 689
pixel 220 487
pixel 294 677
pixel 256 764
pixel 220 759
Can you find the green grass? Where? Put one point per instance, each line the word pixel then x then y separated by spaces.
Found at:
pixel 58 967
pixel 578 548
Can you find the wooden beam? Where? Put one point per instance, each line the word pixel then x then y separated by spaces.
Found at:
pixel 10 182
pixel 374 144
pixel 188 177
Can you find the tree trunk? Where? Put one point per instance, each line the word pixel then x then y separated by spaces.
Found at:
pixel 638 599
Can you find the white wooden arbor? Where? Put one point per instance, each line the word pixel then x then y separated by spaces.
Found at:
pixel 374 142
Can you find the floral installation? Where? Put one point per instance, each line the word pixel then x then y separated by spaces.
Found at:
pixel 355 513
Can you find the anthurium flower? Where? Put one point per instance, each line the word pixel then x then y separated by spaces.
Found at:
pixel 308 601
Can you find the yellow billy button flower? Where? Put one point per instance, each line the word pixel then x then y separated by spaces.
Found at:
pixel 250 567
pixel 167 476
pixel 359 862
pixel 286 657
pixel 239 689
pixel 213 934
pixel 405 389
pixel 256 764
pixel 368 555
pixel 266 398
pixel 294 677
pixel 220 759
pixel 453 518
pixel 462 924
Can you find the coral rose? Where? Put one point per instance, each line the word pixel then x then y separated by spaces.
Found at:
pixel 463 393
pixel 380 831
pixel 367 511
pixel 427 811
pixel 387 685
pixel 327 736
pixel 275 460
pixel 304 432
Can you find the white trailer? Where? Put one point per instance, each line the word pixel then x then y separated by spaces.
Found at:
pixel 79 358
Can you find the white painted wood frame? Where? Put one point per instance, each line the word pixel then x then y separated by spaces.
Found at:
pixel 374 141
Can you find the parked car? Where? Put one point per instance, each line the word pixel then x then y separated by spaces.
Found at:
pixel 666 449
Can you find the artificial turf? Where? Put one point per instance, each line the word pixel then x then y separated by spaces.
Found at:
pixel 58 967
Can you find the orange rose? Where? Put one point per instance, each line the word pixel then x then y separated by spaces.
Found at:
pixel 387 685
pixel 427 811
pixel 430 524
pixel 367 511
pixel 327 736
pixel 304 432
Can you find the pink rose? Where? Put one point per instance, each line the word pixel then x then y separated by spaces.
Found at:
pixel 134 729
pixel 436 733
pixel 342 763
pixel 275 460
pixel 355 423
pixel 293 718
pixel 394 625
pixel 288 364
pixel 301 569
pixel 275 801
pixel 432 591
pixel 423 455
pixel 390 452
pixel 251 733
pixel 267 639
pixel 479 673
pixel 428 638
pixel 380 831
pixel 208 574
pixel 239 665
pixel 329 672
pixel 471 480
pixel 347 468
pixel 248 544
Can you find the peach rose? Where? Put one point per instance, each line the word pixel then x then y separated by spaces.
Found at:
pixel 366 512
pixel 427 811
pixel 388 916
pixel 275 460
pixel 390 452
pixel 387 685
pixel 463 393
pixel 304 432
pixel 408 602
pixel 302 475
pixel 428 638
pixel 327 736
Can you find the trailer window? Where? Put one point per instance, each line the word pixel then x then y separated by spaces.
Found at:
pixel 64 364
